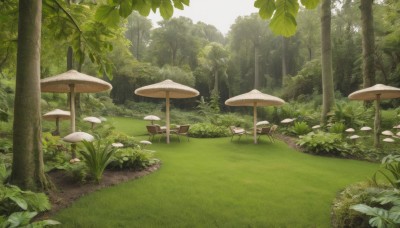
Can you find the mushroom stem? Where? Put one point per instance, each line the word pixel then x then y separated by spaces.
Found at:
pixel 73 150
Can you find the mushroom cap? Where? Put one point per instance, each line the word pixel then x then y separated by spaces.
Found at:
pixel 387 132
pixel 78 137
pixel 83 83
pixel 350 130
pixel 117 145
pixel 354 137
pixel 370 93
pixel 92 119
pixel 366 128
pixel 103 119
pixel 316 126
pixel 159 90
pixel 398 134
pixel 145 142
pixel 264 122
pixel 388 140
pixel 57 113
pixel 151 117
pixel 254 98
pixel 397 126
pixel 287 120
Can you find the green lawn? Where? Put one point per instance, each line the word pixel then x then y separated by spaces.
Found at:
pixel 219 183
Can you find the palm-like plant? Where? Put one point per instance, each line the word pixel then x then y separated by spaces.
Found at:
pixel 97 158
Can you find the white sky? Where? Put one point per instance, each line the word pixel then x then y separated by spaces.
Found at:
pixel 220 13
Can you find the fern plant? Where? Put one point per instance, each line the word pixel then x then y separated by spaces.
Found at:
pixel 96 158
pixel 301 128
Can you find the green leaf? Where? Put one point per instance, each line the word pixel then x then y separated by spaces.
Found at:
pixel 20 202
pixel 185 2
pixel 18 219
pixel 125 8
pixel 107 14
pixel 143 7
pixel 45 223
pixel 166 9
pixel 267 8
pixel 283 24
pixel 178 4
pixel 310 4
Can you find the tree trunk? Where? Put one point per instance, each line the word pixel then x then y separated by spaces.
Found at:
pixel 137 41
pixel 368 43
pixel 27 168
pixel 326 62
pixel 284 65
pixel 256 68
pixel 216 89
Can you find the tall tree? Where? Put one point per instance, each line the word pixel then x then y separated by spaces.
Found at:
pixel 138 32
pixel 368 42
pixel 27 168
pixel 326 61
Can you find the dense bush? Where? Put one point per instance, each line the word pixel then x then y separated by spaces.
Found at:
pixel 208 130
pixel 301 128
pixel 321 143
pixel 132 158
pixel 337 128
pixel 343 215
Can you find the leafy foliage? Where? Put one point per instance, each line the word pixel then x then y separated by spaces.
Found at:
pixel 208 130
pixel 132 158
pixel 96 158
pixel 301 128
pixel 391 170
pixel 320 143
pixel 351 114
pixel 337 128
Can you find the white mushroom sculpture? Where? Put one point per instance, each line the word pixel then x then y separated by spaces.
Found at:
pixel 387 133
pixel 366 128
pixel 57 115
pixel 389 140
pixel 76 137
pixel 93 120
pixel 350 130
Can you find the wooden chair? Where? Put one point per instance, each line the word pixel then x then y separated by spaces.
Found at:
pixel 154 130
pixel 182 130
pixel 268 131
pixel 237 131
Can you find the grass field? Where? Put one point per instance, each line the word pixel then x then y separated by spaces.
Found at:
pixel 219 183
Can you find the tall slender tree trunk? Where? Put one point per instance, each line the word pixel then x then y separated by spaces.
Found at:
pixel 327 77
pixel 284 64
pixel 256 68
pixel 138 41
pixel 216 82
pixel 27 168
pixel 368 43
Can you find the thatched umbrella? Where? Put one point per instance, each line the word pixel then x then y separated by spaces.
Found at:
pixel 73 82
pixel 254 98
pixel 167 89
pixel 152 118
pixel 377 93
pixel 57 114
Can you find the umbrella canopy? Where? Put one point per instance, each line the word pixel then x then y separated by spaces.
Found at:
pixel 254 98
pixel 152 118
pixel 376 92
pixel 167 89
pixel 73 82
pixel 57 114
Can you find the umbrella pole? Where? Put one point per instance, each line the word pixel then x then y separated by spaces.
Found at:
pixel 254 122
pixel 377 121
pixel 72 106
pixel 167 114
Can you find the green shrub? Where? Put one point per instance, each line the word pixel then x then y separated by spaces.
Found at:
pixel 77 171
pixel 301 128
pixel 208 130
pixel 230 119
pixel 390 170
pixel 337 128
pixel 351 114
pixel 96 158
pixel 321 143
pixel 343 215
pixel 130 158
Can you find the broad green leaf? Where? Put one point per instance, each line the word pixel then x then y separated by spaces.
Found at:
pixel 166 9
pixel 283 24
pixel 45 223
pixel 143 7
pixel 310 4
pixel 155 4
pixel 125 8
pixel 108 14
pixel 267 8
pixel 287 6
pixel 178 4
pixel 20 202
pixel 185 2
pixel 18 219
